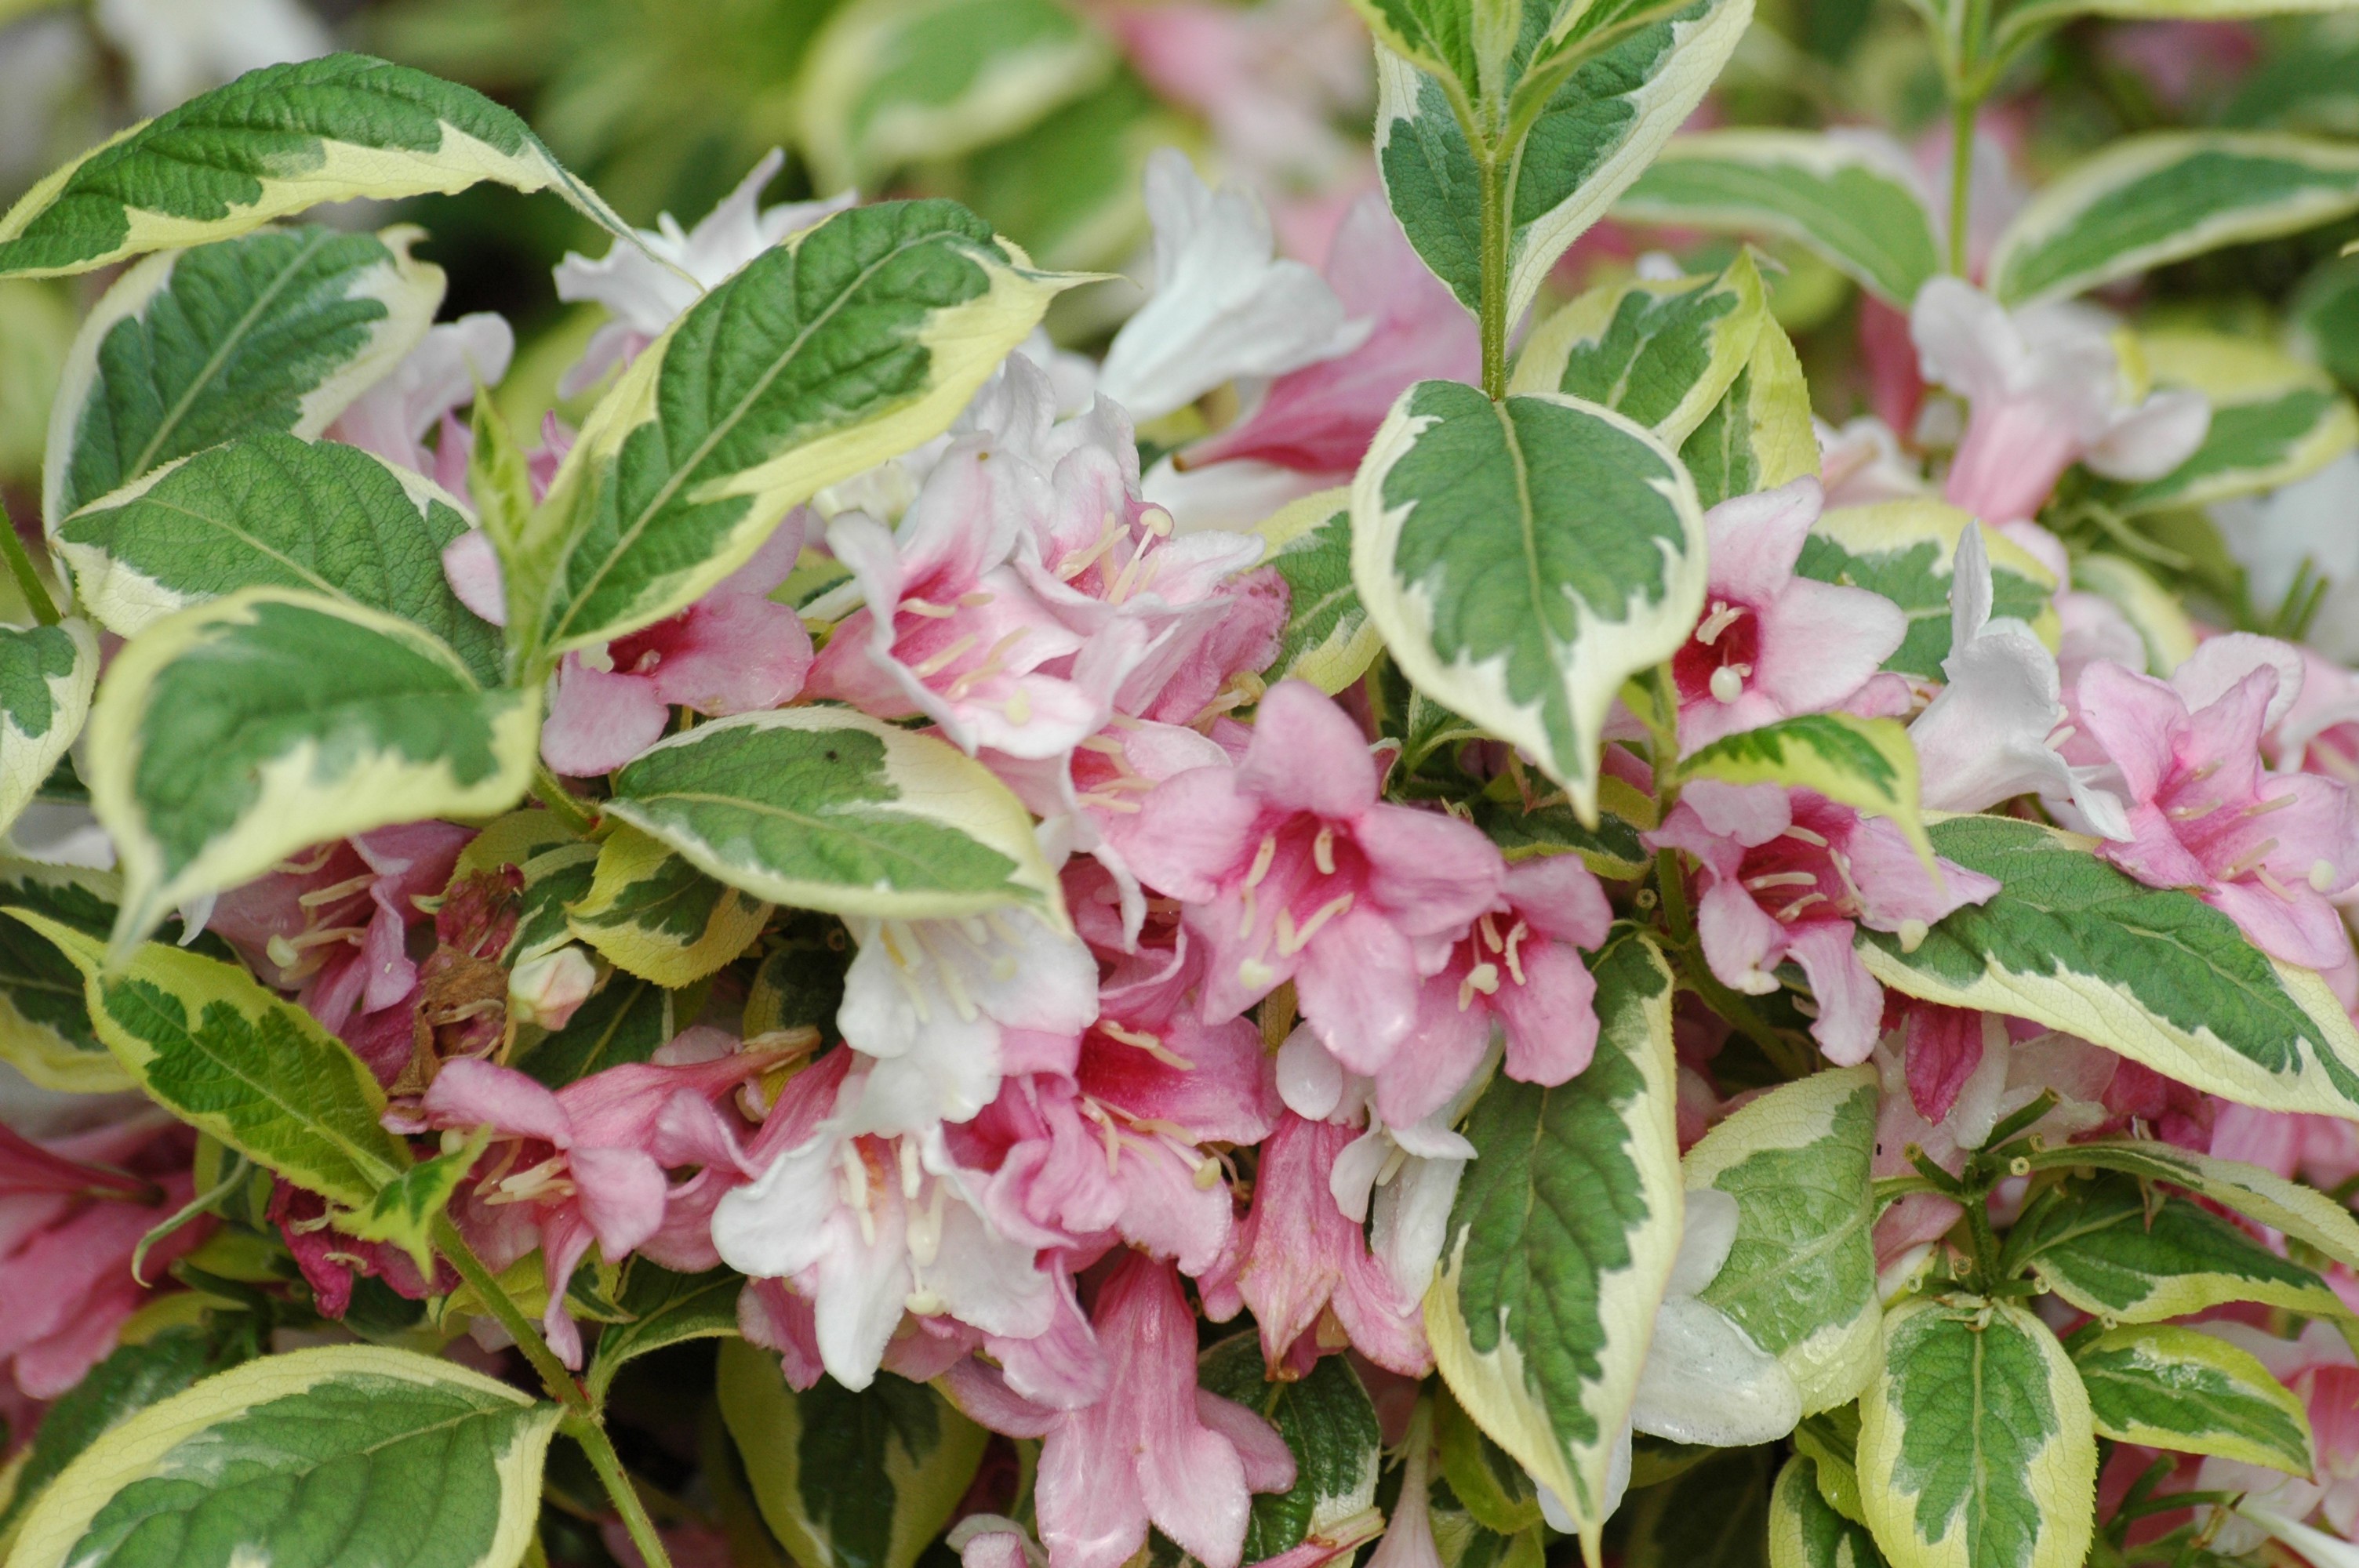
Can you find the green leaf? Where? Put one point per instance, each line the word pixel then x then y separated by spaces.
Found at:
pixel 406 1207
pixel 1560 1243
pixel 45 1027
pixel 230 1058
pixel 243 730
pixel 1663 353
pixel 1904 550
pixel 850 343
pixel 627 1020
pixel 1483 1480
pixel 2153 973
pixel 1329 1423
pixel 1713 1515
pixel 1329 639
pixel 1800 1280
pixel 1093 213
pixel 1867 763
pixel 2162 197
pixel 1758 436
pixel 1523 560
pixel 890 83
pixel 556 878
pixel 1975 1445
pixel 654 915
pixel 2275 419
pixel 276 330
pixel 343 1457
pixel 845 1479
pixel 827 808
pixel 47 676
pixel 132 1378
pixel 1586 144
pixel 1612 849
pixel 2301 1212
pixel 2025 23
pixel 2112 1251
pixel 2187 1391
pixel 1842 196
pixel 665 1308
pixel 1805 1532
pixel 274 512
pixel 1831 1441
pixel 273 142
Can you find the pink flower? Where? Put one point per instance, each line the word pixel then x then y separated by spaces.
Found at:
pixel 470 563
pixel 587 1163
pixel 433 381
pixel 72 1210
pixel 1291 868
pixel 733 651
pixel 1156 1449
pixel 1772 644
pixel 1321 418
pixel 1792 875
pixel 2044 383
pixel 335 928
pixel 1304 1269
pixel 2267 850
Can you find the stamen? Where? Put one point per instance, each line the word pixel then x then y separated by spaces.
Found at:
pixel 1723 615
pixel 1489 932
pixel 1290 941
pixel 1782 880
pixel 947 657
pixel 1515 940
pixel 1263 858
pixel 2275 802
pixel 2250 861
pixel 1798 905
pixel 1322 851
pixel 931 611
pixel 1805 836
pixel 338 892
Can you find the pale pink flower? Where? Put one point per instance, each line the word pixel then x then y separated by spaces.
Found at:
pixel 1298 1259
pixel 1321 418
pixel 433 381
pixel 588 1162
pixel 1292 869
pixel 733 651
pixel 1793 875
pixel 2267 850
pixel 1156 1449
pixel 1771 644
pixel 2044 385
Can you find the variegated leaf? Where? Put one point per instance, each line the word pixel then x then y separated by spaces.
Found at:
pixel 1758 437
pixel 45 1027
pixel 275 330
pixel 272 143
pixel 1805 1532
pixel 2275 419
pixel 1905 551
pixel 1329 1423
pixel 2301 1212
pixel 2195 1393
pixel 1560 1244
pixel 1329 639
pixel 1865 764
pixel 1662 352
pixel 47 676
pixel 1523 560
pixel 653 914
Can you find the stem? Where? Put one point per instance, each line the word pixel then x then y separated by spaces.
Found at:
pixel 562 800
pixel 20 566
pixel 1961 172
pixel 1978 1225
pixel 581 1421
pixel 1496 219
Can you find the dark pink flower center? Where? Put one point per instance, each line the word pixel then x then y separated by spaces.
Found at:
pixel 1714 665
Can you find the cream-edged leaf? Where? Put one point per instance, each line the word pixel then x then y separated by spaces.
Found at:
pixel 653 914
pixel 1905 551
pixel 1865 764
pixel 1758 435
pixel 2275 419
pixel 2195 1393
pixel 1329 640
pixel 1805 1532
pixel 1663 353
pixel 2301 1212
pixel 46 1032
pixel 47 676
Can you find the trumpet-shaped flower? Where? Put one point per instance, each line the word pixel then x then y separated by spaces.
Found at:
pixel 1793 875
pixel 1772 644
pixel 1223 305
pixel 2045 385
pixel 1156 1449
pixel 433 380
pixel 1291 868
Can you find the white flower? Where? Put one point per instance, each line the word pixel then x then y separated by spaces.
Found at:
pixel 2310 520
pixel 644 296
pixel 1223 305
pixel 435 378
pixel 178 49
pixel 1862 463
pixel 1985 738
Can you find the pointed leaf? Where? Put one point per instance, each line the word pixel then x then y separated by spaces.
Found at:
pixel 2163 197
pixel 1904 550
pixel 45 1027
pixel 665 1308
pixel 2275 419
pixel 47 676
pixel 1865 764
pixel 1329 1424
pixel 826 808
pixel 1804 1532
pixel 2301 1212
pixel 2192 1392
pixel 1612 849
pixel 1800 1280
pixel 273 142
pixel 241 730
pixel 845 1479
pixel 1329 639
pixel 1523 560
pixel 340 1457
pixel 405 1208
pixel 276 330
pixel 1847 197
pixel 1560 1244
pixel 1663 353
pixel 2153 973
pixel 1758 436
pixel 656 917
pixel 626 1020
pixel 850 343
pixel 258 1074
pixel 1975 1445
pixel 274 512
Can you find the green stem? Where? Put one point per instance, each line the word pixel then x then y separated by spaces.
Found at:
pixel 28 580
pixel 562 800
pixel 581 1421
pixel 1962 173
pixel 1496 219
pixel 1978 1225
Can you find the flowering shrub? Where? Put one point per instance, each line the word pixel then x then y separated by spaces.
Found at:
pixel 1402 912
